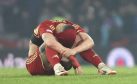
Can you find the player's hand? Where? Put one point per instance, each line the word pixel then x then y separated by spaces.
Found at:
pixel 78 71
pixel 68 52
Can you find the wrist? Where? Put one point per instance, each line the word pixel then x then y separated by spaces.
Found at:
pixel 74 49
pixel 61 50
pixel 74 61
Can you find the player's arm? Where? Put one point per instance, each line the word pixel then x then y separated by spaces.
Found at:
pixel 84 42
pixel 51 42
pixel 87 42
pixel 76 65
pixel 32 48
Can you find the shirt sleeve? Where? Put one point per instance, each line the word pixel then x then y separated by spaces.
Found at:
pixel 44 28
pixel 76 26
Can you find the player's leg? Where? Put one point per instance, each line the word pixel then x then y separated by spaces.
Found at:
pixel 93 58
pixel 66 63
pixel 35 66
pixel 55 60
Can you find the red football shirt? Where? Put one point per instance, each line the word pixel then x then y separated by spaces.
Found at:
pixel 66 38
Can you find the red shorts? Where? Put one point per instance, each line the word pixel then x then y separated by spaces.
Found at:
pixel 35 65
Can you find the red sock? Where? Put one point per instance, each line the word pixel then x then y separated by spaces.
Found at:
pixel 52 56
pixel 91 57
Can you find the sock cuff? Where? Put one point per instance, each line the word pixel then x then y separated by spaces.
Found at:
pixel 100 65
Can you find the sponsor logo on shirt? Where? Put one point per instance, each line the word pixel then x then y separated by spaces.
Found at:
pixel 48 30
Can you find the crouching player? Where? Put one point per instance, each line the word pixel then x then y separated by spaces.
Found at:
pixel 45 46
pixel 64 38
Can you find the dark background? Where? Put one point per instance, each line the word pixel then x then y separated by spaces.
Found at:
pixel 111 23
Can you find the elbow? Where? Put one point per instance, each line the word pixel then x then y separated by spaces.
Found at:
pixel 49 43
pixel 91 43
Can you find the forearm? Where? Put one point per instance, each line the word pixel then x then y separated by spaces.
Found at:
pixel 51 42
pixel 32 48
pixel 55 45
pixel 85 45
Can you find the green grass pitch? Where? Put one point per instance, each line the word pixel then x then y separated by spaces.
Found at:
pixel 90 76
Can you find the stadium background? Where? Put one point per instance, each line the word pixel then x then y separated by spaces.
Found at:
pixel 111 23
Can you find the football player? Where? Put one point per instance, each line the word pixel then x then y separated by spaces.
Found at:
pixel 62 38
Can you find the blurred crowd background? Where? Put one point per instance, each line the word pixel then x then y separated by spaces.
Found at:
pixel 111 23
